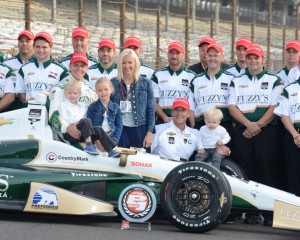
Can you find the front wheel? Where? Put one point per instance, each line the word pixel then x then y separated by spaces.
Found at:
pixel 196 197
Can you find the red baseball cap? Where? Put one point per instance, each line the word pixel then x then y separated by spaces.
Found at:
pixel 107 42
pixel 215 46
pixel 44 35
pixel 80 31
pixel 132 41
pixel 255 49
pixel 26 33
pixel 244 41
pixel 176 45
pixel 79 57
pixel 206 39
pixel 181 102
pixel 293 44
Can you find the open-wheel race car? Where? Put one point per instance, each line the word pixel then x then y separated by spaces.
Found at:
pixel 41 175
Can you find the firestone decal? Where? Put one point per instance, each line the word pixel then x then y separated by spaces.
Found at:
pixel 89 175
pixel 45 198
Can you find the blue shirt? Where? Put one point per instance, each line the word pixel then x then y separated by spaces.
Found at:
pixel 96 112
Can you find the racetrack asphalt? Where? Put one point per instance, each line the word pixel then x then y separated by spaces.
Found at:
pixel 20 226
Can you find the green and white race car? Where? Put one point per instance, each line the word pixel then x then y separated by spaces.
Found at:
pixel 42 175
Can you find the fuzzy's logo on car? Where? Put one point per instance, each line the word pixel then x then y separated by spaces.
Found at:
pixel 45 198
pixel 141 164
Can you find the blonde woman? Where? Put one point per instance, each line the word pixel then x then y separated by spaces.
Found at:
pixel 134 95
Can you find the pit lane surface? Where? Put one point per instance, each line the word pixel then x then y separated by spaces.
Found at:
pixel 19 226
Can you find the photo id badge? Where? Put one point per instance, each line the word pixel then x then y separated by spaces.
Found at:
pixel 125 106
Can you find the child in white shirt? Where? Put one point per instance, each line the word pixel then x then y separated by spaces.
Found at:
pixel 212 135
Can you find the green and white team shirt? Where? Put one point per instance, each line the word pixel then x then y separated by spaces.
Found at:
pixel 34 78
pixel 146 71
pixel 235 70
pixel 66 60
pixel 170 85
pixel 15 63
pixel 289 76
pixel 57 96
pixel 6 83
pixel 207 92
pixel 97 71
pixel 289 103
pixel 254 95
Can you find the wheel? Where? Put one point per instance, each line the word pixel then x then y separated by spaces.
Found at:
pixel 231 168
pixel 196 197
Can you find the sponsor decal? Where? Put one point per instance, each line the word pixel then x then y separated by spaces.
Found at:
pixel 89 174
pixel 163 81
pixel 45 198
pixel 51 157
pixel 30 73
pixel 184 82
pixel 172 94
pixel 185 141
pixel 171 133
pixel 202 86
pixel 243 86
pixel 54 73
pixel 72 158
pixel 4 185
pixel 35 115
pixel 294 94
pixel 224 86
pixel 141 164
pixel 286 215
pixel 94 78
pixel 137 203
pixel 264 85
pixel 171 140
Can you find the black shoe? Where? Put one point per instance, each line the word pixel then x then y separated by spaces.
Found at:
pixel 252 219
pixel 268 221
pixel 230 219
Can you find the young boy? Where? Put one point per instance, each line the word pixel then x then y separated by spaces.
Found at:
pixel 212 135
pixel 73 112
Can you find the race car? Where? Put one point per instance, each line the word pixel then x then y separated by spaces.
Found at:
pixel 42 175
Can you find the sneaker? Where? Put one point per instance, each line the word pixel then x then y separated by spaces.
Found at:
pixel 91 150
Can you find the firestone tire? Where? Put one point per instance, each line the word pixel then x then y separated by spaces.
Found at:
pixel 231 168
pixel 196 197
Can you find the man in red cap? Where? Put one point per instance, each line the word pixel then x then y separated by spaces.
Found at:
pixel 291 72
pixel 106 66
pixel 174 140
pixel 241 46
pixel 26 53
pixel 202 65
pixel 40 73
pixel 135 44
pixel 253 97
pixel 80 43
pixel 78 69
pixel 171 82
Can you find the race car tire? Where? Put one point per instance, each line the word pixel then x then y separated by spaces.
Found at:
pixel 137 203
pixel 231 168
pixel 196 197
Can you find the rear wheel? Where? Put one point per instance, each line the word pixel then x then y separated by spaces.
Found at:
pixel 196 197
pixel 231 168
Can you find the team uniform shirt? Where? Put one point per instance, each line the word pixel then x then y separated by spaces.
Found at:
pixel 6 83
pixel 15 63
pixel 291 76
pixel 88 96
pixel 66 61
pixel 254 95
pixel 210 93
pixel 235 70
pixel 97 71
pixel 172 143
pixel 71 113
pixel 289 103
pixel 209 137
pixel 146 71
pixel 170 85
pixel 34 78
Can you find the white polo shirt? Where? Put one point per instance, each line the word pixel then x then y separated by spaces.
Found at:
pixel 6 83
pixel 172 143
pixel 171 85
pixel 235 70
pixel 97 71
pixel 254 95
pixel 209 92
pixel 289 103
pixel 291 76
pixel 34 78
pixel 146 71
